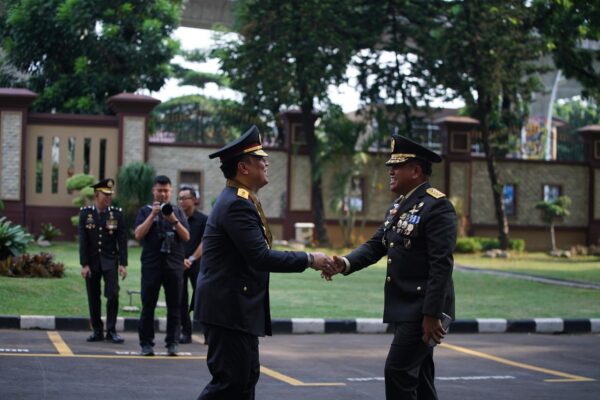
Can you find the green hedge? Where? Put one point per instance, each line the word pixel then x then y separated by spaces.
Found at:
pixel 475 244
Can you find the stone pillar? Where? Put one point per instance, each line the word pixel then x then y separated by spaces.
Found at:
pixel 591 145
pixel 14 104
pixel 457 133
pixel 132 111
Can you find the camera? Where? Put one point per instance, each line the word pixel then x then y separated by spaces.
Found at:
pixel 168 238
pixel 166 209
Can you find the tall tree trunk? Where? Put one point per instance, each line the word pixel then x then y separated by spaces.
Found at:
pixel 316 182
pixel 484 109
pixel 552 236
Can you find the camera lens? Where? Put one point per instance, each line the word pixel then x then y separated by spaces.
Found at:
pixel 166 208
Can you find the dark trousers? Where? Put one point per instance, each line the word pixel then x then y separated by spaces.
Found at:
pixel 190 274
pixel 111 292
pixel 409 369
pixel 152 279
pixel 232 360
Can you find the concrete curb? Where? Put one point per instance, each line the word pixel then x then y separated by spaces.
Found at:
pixel 321 325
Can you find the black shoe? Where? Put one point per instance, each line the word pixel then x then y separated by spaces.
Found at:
pixel 95 337
pixel 172 349
pixel 114 337
pixel 185 339
pixel 147 350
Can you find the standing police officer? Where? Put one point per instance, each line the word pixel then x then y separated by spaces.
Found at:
pixel 232 292
pixel 418 236
pixel 102 252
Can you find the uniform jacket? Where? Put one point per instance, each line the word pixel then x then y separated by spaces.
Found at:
pixel 418 237
pixel 232 289
pixel 102 235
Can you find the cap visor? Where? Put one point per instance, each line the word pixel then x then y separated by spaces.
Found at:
pixel 259 152
pixel 106 191
pixel 394 161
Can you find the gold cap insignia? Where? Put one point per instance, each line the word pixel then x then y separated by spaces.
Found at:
pixel 393 145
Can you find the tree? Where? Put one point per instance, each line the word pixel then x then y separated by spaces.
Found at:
pixel 80 52
pixel 200 119
pixel 338 136
pixel 572 29
pixel 134 189
pixel 487 53
pixel 552 211
pixel 287 54
pixel 391 77
pixel 81 183
pixel 577 113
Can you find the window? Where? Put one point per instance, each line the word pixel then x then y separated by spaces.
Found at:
pixel 552 192
pixel 509 198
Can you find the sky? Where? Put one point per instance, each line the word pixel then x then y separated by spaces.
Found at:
pixel 191 38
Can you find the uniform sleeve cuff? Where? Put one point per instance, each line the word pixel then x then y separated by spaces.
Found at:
pixel 347 263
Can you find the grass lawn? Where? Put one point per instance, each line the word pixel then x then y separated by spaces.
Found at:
pixel 66 296
pixel 307 295
pixel 581 268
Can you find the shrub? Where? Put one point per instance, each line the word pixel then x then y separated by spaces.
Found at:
pixel 81 183
pixel 488 243
pixel 467 245
pixel 36 266
pixel 475 244
pixel 13 239
pixel 516 244
pixel 49 232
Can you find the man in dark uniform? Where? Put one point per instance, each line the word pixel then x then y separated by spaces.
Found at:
pixel 102 254
pixel 193 250
pixel 418 237
pixel 232 292
pixel 162 229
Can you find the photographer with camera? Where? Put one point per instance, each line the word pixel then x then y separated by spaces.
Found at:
pixel 162 228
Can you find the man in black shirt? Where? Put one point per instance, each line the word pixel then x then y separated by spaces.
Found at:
pixel 193 251
pixel 162 229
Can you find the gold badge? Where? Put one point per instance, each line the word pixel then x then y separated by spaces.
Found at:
pixel 435 193
pixel 109 184
pixel 243 193
pixel 393 145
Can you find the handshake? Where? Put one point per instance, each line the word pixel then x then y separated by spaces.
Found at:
pixel 327 265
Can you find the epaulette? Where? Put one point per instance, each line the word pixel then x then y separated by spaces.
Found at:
pixel 85 208
pixel 433 192
pixel 243 193
pixel 115 208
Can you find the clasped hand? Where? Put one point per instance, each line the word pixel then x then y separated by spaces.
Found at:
pixel 327 265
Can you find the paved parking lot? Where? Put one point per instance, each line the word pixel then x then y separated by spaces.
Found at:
pixel 61 365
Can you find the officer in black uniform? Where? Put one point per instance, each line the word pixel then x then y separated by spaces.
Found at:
pixel 103 254
pixel 418 236
pixel 232 291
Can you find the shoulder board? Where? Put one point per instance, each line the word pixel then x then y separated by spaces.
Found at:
pixel 435 193
pixel 243 193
